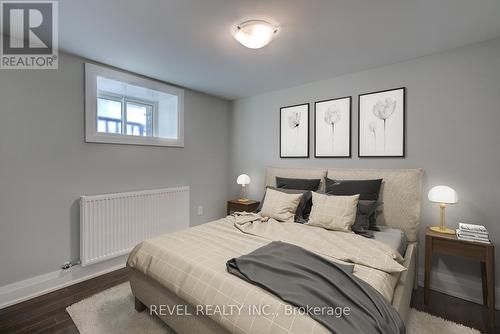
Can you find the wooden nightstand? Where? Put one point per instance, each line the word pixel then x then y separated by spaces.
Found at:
pixel 234 206
pixel 451 245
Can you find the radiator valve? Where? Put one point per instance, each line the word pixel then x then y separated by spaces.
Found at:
pixel 66 265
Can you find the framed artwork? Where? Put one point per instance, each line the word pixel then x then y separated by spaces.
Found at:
pixel 332 128
pixel 381 123
pixel 294 131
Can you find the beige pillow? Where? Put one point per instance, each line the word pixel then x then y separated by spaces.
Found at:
pixel 280 206
pixel 333 212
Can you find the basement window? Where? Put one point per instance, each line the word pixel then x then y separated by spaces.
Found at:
pixel 123 108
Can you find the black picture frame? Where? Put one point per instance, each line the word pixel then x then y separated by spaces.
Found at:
pixel 306 127
pixel 350 127
pixel 403 149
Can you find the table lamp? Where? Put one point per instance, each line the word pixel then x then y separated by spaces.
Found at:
pixel 443 195
pixel 243 180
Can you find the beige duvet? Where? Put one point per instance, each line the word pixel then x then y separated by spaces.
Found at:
pixel 192 264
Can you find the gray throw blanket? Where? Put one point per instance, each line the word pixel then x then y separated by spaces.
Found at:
pixel 318 286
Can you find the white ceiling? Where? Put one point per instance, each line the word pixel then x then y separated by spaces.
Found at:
pixel 188 42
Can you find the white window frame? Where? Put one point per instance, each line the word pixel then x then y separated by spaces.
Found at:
pixel 93 71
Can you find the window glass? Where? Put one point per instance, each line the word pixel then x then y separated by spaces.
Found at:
pixel 139 119
pixel 109 116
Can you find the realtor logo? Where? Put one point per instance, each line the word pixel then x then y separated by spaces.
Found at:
pixel 30 34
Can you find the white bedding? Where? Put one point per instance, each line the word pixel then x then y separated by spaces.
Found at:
pixel 392 237
pixel 192 265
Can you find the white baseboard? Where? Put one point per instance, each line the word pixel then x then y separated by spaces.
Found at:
pixel 33 287
pixel 464 288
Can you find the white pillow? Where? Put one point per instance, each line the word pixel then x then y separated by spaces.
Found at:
pixel 333 212
pixel 280 206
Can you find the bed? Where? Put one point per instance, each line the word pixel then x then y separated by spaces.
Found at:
pixel 189 267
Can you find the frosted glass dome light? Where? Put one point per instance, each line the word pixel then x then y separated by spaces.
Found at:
pixel 443 194
pixel 243 179
pixel 255 34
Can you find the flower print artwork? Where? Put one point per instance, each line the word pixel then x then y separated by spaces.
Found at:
pixel 294 123
pixel 382 123
pixel 373 129
pixel 294 119
pixel 332 116
pixel 294 131
pixel 333 128
pixel 383 110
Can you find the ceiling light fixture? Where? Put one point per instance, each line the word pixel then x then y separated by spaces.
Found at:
pixel 255 34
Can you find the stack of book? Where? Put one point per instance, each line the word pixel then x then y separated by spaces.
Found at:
pixel 472 232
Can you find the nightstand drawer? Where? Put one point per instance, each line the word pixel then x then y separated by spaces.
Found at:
pixel 236 206
pixel 466 250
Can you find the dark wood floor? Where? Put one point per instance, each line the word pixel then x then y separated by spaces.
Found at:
pixel 47 313
pixel 456 310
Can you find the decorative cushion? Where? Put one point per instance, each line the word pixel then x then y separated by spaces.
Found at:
pixel 333 212
pixel 280 206
pixel 304 207
pixel 367 189
pixel 365 218
pixel 301 184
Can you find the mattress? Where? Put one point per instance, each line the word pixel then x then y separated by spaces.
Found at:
pixel 150 292
pixel 191 264
pixel 392 237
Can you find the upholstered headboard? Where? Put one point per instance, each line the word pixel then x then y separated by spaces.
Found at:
pixel 400 194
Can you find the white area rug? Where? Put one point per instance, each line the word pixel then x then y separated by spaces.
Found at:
pixel 112 312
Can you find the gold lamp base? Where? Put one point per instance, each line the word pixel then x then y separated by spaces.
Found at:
pixel 443 230
pixel 243 195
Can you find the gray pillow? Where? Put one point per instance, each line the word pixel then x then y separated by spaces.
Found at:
pixel 365 218
pixel 304 207
pixel 367 189
pixel 298 184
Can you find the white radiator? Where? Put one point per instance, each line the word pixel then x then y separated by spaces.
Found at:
pixel 112 224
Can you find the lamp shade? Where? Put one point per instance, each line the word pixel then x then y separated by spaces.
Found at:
pixel 243 179
pixel 443 194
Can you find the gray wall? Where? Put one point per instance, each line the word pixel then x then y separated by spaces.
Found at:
pixel 45 165
pixel 453 126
